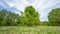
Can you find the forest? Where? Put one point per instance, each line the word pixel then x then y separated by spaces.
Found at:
pixel 30 17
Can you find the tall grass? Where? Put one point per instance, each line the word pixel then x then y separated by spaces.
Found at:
pixel 29 30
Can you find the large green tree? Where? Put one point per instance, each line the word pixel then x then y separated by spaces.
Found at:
pixel 54 17
pixel 30 17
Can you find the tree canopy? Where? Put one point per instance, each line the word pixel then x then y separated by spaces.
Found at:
pixel 30 16
pixel 54 17
pixel 8 18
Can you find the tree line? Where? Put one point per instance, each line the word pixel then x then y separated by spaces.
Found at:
pixel 30 17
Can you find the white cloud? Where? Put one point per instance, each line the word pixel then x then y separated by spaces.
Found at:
pixel 41 5
pixel 19 4
pixel 11 4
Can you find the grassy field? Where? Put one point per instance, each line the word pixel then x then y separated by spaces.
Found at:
pixel 29 30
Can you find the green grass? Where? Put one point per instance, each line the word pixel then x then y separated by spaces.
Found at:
pixel 29 30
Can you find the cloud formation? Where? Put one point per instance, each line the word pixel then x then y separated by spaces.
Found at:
pixel 42 6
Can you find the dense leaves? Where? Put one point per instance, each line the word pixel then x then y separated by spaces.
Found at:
pixel 30 17
pixel 8 18
pixel 54 17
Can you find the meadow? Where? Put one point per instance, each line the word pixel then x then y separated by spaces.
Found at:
pixel 29 30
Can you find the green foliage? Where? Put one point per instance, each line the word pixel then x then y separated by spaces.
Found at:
pixel 54 17
pixel 30 17
pixel 27 18
pixel 45 23
pixel 8 18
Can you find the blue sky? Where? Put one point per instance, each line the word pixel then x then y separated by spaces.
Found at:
pixel 42 6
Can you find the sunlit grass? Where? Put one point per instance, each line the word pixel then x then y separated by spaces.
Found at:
pixel 29 30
